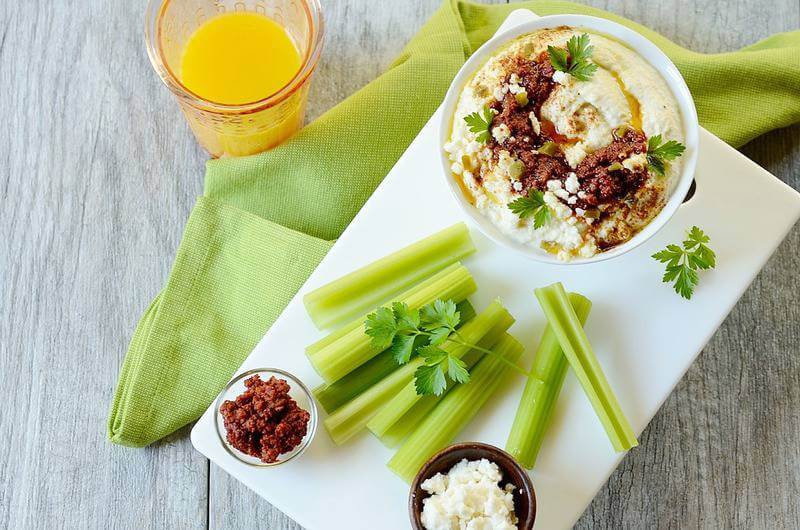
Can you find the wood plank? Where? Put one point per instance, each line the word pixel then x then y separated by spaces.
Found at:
pixel 716 455
pixel 98 175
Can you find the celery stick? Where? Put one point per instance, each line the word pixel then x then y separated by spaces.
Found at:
pixel 333 359
pixel 575 345
pixel 350 418
pixel 541 392
pixel 334 395
pixel 375 283
pixel 406 398
pixel 397 432
pixel 455 411
pixel 358 323
pixel 353 416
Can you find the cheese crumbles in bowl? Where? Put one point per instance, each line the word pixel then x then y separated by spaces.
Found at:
pixel 568 142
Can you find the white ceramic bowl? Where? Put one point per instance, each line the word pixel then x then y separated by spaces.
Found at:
pixel 633 40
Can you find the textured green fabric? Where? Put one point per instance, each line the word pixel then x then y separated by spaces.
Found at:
pixel 266 221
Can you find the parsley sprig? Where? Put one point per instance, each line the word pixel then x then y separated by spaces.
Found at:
pixel 480 122
pixel 683 262
pixel 658 154
pixel 532 205
pixel 576 62
pixel 424 332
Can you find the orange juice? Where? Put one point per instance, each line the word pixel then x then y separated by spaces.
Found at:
pixel 239 69
pixel 238 58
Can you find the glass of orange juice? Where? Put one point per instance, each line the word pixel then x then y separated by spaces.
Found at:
pixel 240 70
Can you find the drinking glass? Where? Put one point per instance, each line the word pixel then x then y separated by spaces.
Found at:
pixel 235 130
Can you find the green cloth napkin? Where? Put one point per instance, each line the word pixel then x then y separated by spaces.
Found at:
pixel 266 221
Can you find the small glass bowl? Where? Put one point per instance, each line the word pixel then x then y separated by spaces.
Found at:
pixel 297 390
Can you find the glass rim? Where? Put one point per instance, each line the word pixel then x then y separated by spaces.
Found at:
pixel 152 33
pixel 297 451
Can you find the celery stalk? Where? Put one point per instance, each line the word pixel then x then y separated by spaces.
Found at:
pixel 358 323
pixel 353 416
pixel 334 395
pixel 372 284
pixel 407 397
pixel 541 392
pixel 455 410
pixel 397 432
pixel 333 358
pixel 575 345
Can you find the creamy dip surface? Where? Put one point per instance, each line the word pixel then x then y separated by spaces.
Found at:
pixel 469 497
pixel 581 143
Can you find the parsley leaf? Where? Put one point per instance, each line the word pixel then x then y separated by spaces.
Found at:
pixel 683 262
pixel 532 205
pixel 382 327
pixel 658 154
pixel 576 62
pixel 440 314
pixel 457 370
pixel 558 58
pixel 408 332
pixel 407 319
pixel 402 347
pixel 430 380
pixel 430 377
pixel 480 123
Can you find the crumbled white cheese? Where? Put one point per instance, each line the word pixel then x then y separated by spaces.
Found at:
pixel 504 161
pixel 635 162
pixel 582 194
pixel 517 185
pixel 501 133
pixel 457 168
pixel 561 194
pixel 553 185
pixel 572 199
pixel 561 78
pixel 571 183
pixel 537 127
pixel 516 89
pixel 468 498
pixel 580 212
pixel 514 78
pixel 500 92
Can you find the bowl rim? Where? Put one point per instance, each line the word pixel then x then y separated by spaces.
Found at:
pixel 488 451
pixel 636 42
pixel 294 382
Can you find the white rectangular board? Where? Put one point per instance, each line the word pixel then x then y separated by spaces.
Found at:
pixel 633 327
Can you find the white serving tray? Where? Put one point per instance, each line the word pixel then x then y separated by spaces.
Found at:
pixel 645 335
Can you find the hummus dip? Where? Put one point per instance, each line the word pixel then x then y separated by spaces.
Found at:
pixel 580 147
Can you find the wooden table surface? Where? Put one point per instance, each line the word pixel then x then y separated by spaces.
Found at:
pixel 99 172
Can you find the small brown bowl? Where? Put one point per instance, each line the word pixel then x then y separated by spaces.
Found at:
pixel 513 473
